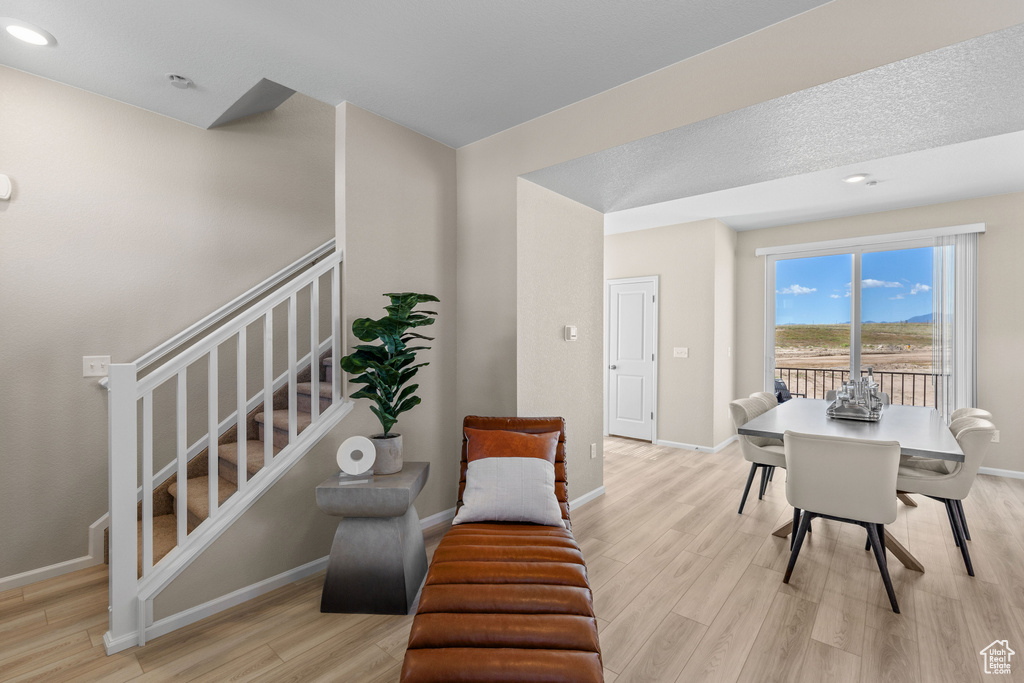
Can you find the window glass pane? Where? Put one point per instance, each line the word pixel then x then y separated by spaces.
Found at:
pixel 896 323
pixel 812 323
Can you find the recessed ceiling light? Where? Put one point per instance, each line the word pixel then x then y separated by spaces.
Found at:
pixel 28 33
pixel 856 178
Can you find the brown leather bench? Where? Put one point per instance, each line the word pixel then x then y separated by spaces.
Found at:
pixel 506 601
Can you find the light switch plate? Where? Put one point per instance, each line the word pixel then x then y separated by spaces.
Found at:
pixel 593 450
pixel 995 436
pixel 95 366
pixel 680 352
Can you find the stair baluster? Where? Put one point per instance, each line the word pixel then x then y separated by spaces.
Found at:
pixel 268 380
pixel 241 437
pixel 160 527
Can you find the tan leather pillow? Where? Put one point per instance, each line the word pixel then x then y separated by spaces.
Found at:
pixel 498 443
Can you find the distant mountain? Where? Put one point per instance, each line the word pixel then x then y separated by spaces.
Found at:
pixel 926 318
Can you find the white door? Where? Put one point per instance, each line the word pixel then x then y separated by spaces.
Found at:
pixel 631 363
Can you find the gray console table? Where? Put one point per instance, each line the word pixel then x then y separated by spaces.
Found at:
pixel 377 560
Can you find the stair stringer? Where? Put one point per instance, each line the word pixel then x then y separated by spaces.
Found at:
pixel 175 562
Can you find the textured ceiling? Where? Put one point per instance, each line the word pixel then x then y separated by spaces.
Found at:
pixel 454 70
pixel 963 92
pixel 966 170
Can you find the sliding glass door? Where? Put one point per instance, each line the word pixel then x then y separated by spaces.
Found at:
pixel 812 335
pixel 897 323
pixel 828 329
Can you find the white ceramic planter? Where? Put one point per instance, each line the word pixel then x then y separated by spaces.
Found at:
pixel 389 454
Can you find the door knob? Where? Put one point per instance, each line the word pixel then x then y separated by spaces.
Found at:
pixel 611 367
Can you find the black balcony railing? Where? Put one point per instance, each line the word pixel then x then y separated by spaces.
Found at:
pixel 904 388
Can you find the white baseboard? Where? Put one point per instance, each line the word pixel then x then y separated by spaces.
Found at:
pixel 194 614
pixel 43 573
pixel 694 447
pixel 123 643
pixel 586 498
pixel 438 518
pixel 94 558
pixel 96 530
pixel 1012 474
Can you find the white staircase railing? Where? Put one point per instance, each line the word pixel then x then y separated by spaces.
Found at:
pixel 137 399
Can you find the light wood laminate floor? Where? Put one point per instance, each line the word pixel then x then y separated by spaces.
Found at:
pixel 685 590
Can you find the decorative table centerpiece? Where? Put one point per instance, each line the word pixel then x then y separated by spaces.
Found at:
pixel 857 400
pixel 385 369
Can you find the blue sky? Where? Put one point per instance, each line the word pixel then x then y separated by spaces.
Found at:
pixel 896 285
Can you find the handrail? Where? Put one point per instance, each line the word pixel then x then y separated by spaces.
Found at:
pixel 131 595
pixel 230 307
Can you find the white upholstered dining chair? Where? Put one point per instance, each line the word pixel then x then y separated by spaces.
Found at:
pixel 847 480
pixel 970 412
pixel 950 485
pixel 769 400
pixel 761 452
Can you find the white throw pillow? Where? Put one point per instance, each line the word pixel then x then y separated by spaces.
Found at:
pixel 510 490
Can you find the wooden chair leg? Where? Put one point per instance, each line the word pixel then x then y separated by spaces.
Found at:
pixel 764 481
pixel 963 518
pixel 796 525
pixel 746 489
pixel 771 473
pixel 867 542
pixel 881 541
pixel 907 500
pixel 805 521
pixel 958 533
pixel 879 549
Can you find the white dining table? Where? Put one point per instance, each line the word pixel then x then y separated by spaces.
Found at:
pixel 920 432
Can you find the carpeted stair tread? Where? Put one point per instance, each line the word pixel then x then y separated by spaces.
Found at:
pixel 199 496
pixel 165 526
pixel 306 388
pixel 281 419
pixel 165 538
pixel 254 452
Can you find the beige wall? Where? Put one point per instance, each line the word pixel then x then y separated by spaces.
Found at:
pixel 1000 308
pixel 560 285
pixel 725 331
pixel 693 262
pixel 838 39
pixel 124 228
pixel 398 227
pixel 396 220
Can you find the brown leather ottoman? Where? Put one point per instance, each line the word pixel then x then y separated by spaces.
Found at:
pixel 506 601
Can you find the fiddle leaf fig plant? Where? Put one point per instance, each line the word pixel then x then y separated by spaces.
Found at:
pixel 386 368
